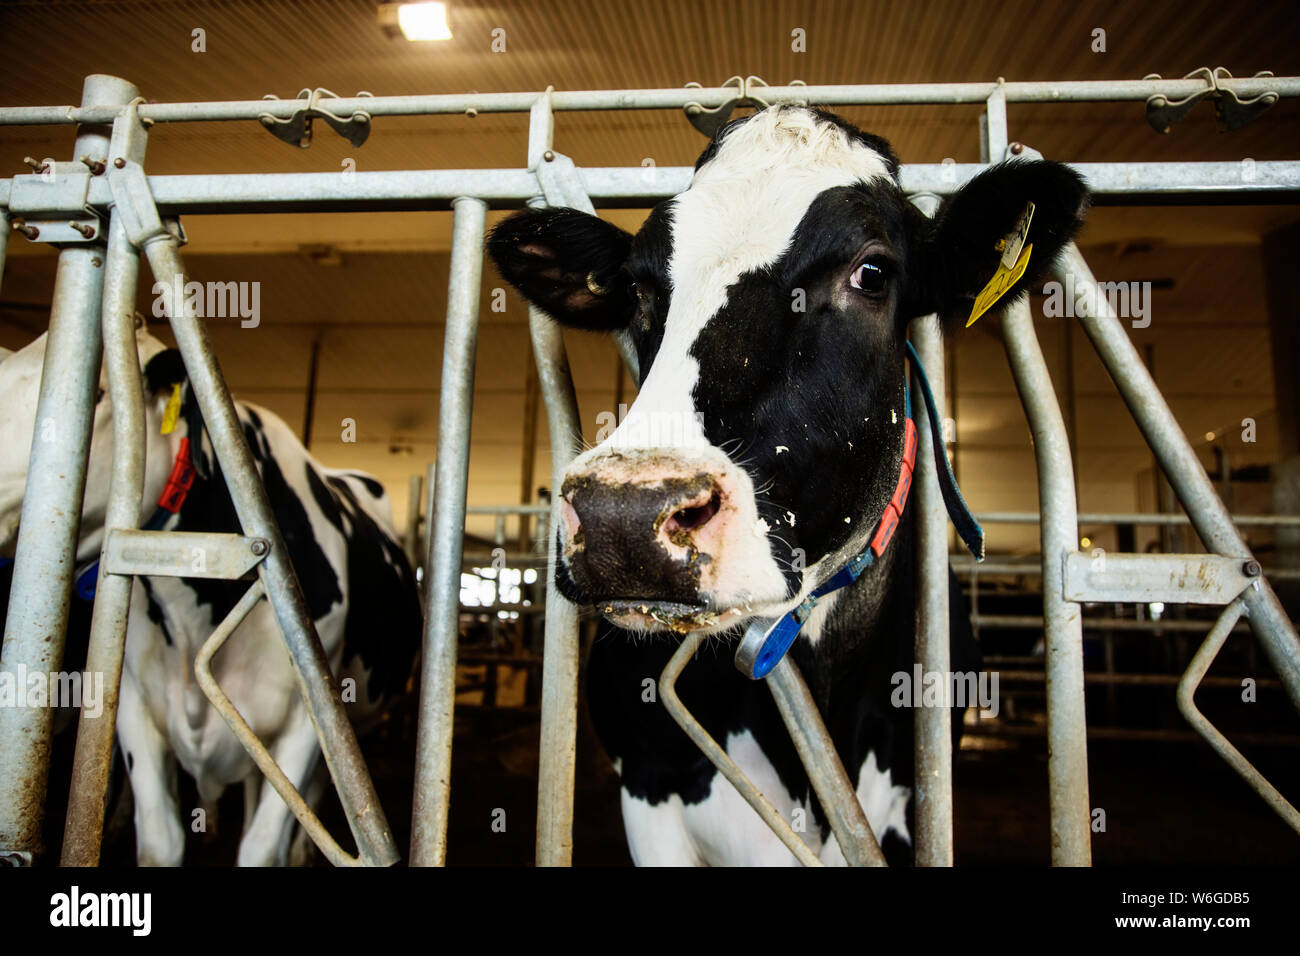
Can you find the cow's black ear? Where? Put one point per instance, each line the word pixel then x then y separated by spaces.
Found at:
pixel 960 252
pixel 567 263
pixel 163 371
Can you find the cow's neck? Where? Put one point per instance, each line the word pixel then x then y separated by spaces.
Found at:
pixel 864 626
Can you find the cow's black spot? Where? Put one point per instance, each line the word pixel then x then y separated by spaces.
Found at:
pixel 208 507
pixel 384 619
pixel 154 610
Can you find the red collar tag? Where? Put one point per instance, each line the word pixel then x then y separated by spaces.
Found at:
pixel 181 480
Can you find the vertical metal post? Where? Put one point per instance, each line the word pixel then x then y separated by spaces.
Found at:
pixel 51 514
pixel 555 773
pixel 4 242
pixel 83 830
pixel 560 655
pixel 1067 728
pixel 1183 469
pixel 933 727
pixel 446 544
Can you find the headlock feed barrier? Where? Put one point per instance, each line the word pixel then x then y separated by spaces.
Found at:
pixel 102 211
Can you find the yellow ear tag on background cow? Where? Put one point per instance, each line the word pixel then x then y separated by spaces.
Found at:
pixel 172 412
pixel 1015 257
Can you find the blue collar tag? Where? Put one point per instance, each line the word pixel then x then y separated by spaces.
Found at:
pixel 766 641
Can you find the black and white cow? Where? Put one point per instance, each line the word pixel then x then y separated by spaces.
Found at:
pixel 337 526
pixel 768 305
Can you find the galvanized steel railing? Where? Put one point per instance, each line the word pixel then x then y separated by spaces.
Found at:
pixel 34 631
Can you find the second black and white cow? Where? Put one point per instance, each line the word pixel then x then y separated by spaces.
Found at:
pixel 768 306
pixel 358 585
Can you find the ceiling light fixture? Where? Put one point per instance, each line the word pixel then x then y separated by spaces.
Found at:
pixel 418 22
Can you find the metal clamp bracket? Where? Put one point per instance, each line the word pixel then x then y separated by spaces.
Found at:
pixel 183 554
pixel 1232 111
pixel 709 121
pixel 50 204
pixel 296 129
pixel 1169 578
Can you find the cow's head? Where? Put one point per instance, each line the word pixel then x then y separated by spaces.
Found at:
pixel 768 306
pixel 20 383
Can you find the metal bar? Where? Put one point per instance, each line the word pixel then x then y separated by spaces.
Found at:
pixel 1120 517
pixel 826 772
pixel 1033 622
pixel 1131 680
pixel 337 739
pixel 962 565
pixel 984 729
pixel 509 509
pixel 1180 464
pixel 1196 671
pixel 1067 761
pixel 51 513
pixel 83 829
pixel 244 734
pixel 1143 578
pixel 628 187
pixel 718 757
pixel 451 478
pixel 4 242
pixel 993 125
pixel 932 733
pixel 1088 91
pixel 560 656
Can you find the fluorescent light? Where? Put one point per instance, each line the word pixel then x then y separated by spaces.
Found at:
pixel 423 21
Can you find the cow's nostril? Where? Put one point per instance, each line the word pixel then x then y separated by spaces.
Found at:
pixel 694 516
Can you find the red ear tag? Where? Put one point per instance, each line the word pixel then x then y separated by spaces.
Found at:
pixel 888 525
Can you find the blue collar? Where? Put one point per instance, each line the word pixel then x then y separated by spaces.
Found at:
pixel 766 641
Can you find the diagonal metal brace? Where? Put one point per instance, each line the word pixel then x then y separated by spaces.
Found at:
pixel 1191 680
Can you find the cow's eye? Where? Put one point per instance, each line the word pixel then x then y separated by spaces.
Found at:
pixel 99 396
pixel 872 277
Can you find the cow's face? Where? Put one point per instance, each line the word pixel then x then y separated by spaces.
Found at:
pixel 20 383
pixel 768 307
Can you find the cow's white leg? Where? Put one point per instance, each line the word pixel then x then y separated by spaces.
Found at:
pixel 266 841
pixel 159 835
pixel 252 790
pixel 657 835
pixel 884 804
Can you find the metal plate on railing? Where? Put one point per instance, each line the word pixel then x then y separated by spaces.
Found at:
pixel 1142 578
pixel 183 554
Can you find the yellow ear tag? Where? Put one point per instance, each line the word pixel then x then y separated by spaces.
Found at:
pixel 1015 257
pixel 172 412
pixel 1002 280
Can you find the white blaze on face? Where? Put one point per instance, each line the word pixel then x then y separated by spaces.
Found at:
pixel 738 216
